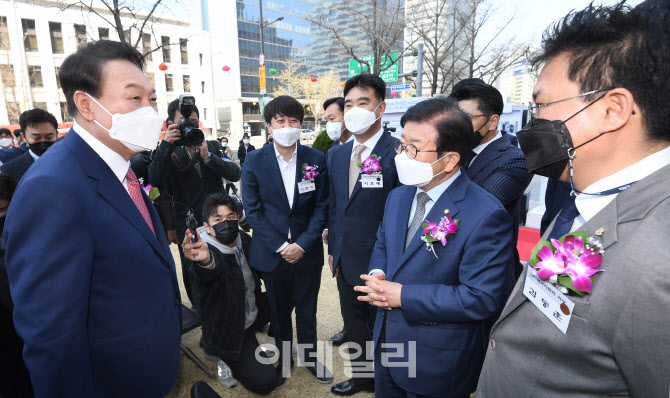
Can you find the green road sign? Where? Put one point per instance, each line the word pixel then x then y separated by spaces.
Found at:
pixel 389 75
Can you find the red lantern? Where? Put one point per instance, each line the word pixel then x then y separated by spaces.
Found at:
pixel 393 93
pixel 313 79
pixel 162 67
pixel 226 68
pixel 342 84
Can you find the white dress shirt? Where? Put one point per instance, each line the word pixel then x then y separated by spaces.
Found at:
pixel 479 148
pixel 590 205
pixel 287 170
pixel 434 194
pixel 35 157
pixel 116 162
pixel 369 145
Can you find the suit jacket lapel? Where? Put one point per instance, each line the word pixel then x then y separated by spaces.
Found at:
pixel 341 160
pixel 275 175
pixel 381 149
pixel 301 158
pixel 490 153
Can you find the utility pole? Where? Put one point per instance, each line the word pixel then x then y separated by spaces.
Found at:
pixel 261 60
pixel 419 69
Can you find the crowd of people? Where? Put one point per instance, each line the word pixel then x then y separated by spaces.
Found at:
pixel 421 232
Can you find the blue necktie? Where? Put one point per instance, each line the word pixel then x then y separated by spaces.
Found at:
pixel 565 219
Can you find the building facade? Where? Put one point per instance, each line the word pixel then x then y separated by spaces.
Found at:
pixel 516 83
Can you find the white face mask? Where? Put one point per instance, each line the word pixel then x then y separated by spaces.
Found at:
pixel 246 142
pixel 413 172
pixel 358 119
pixel 224 144
pixel 334 130
pixel 137 130
pixel 5 142
pixel 286 136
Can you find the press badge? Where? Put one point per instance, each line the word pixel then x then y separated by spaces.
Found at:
pixel 547 298
pixel 372 181
pixel 306 186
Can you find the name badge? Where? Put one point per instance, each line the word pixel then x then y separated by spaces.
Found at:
pixel 306 186
pixel 372 181
pixel 554 305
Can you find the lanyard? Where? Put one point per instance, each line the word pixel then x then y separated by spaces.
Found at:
pixel 611 191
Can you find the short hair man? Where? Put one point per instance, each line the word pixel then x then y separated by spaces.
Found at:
pixel 193 173
pixel 437 296
pixel 230 315
pixel 494 163
pixel 333 112
pixel 5 138
pixel 355 211
pixel 285 195
pixel 244 148
pixel 95 289
pixel 40 131
pixel 598 123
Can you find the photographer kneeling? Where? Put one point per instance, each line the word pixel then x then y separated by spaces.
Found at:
pixel 192 167
pixel 232 305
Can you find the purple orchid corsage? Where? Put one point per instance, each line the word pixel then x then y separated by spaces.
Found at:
pixel 569 261
pixel 371 165
pixel 309 173
pixel 438 231
pixel 151 191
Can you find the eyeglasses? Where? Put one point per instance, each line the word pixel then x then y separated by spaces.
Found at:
pixel 472 117
pixel 533 108
pixel 410 149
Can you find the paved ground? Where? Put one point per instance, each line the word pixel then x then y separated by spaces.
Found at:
pixel 301 383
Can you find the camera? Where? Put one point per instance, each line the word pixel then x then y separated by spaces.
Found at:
pixel 191 135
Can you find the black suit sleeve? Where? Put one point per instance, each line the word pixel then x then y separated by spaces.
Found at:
pixel 228 170
pixel 159 169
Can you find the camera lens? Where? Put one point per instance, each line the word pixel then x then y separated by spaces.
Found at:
pixel 194 136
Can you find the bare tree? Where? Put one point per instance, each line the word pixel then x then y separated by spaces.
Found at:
pixel 373 27
pixel 8 79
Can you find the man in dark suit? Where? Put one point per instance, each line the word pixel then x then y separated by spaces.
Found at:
pixel 287 208
pixel 333 112
pixel 193 173
pixel 355 211
pixel 244 148
pixel 96 297
pixel 40 130
pixel 494 164
pixel 434 298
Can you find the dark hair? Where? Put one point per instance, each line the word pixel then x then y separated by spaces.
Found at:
pixel 174 107
pixel 367 80
pixel 489 99
pixel 35 116
pixel 454 128
pixel 5 131
pixel 615 46
pixel 17 132
pixel 212 203
pixel 337 100
pixel 283 105
pixel 82 71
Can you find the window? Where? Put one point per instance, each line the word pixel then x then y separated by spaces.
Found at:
pixel 40 105
pixel 13 112
pixel 80 34
pixel 168 83
pixel 57 78
pixel 35 74
pixel 4 34
pixel 56 33
pixel 29 34
pixel 202 85
pixel 64 116
pixel 152 78
pixel 200 59
pixel 7 75
pixel 146 46
pixel 103 33
pixel 184 51
pixel 187 83
pixel 165 43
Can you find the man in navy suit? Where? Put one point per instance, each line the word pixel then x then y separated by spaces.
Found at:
pixel 429 334
pixel 356 209
pixel 334 114
pixel 40 132
pixel 287 206
pixel 494 164
pixel 93 281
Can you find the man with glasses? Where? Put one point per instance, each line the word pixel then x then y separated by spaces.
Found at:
pixel 494 164
pixel 432 298
pixel 600 124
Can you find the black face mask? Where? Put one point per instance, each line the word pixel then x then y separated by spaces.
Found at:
pixel 39 148
pixel 546 146
pixel 478 136
pixel 226 231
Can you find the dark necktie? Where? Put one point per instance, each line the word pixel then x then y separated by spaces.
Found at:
pixel 565 219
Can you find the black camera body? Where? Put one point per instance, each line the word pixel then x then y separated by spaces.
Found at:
pixel 191 135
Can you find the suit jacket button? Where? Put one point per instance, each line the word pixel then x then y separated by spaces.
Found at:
pixel 492 344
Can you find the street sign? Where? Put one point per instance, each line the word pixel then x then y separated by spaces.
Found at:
pixel 401 87
pixel 389 75
pixel 261 76
pixel 261 60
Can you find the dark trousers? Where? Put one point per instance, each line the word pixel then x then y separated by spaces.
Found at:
pixel 256 377
pixel 290 284
pixel 359 321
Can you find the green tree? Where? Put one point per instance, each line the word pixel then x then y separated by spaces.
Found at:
pixel 322 142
